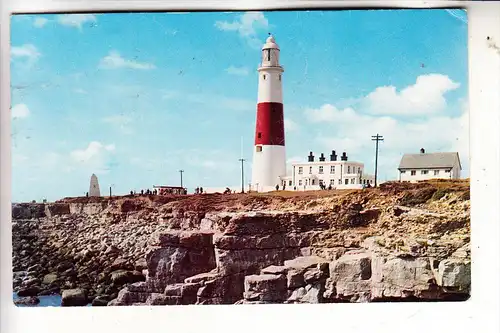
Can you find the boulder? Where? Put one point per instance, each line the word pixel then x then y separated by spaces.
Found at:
pixel 29 301
pixel 278 270
pixel 454 273
pixel 161 299
pixel 100 301
pixel 179 255
pixel 267 287
pixel 74 297
pixel 400 277
pixel 49 278
pixel 350 274
pixel 122 277
pixel 28 291
pixel 311 293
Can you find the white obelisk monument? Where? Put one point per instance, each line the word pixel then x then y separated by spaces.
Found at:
pixel 94 190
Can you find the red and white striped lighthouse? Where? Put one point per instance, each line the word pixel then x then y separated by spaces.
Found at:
pixel 269 158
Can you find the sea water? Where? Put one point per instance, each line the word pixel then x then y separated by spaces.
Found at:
pixel 51 300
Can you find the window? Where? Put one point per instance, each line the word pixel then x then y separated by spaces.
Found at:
pixel 300 182
pixel 346 181
pixel 312 181
pixel 348 169
pixel 321 169
pixel 300 170
pixel 332 181
pixel 310 170
pixel 264 76
pixel 359 170
pixel 403 171
pixel 258 149
pixel 448 171
pixel 305 182
pixel 413 172
pixel 424 172
pixel 268 55
pixel 352 180
pixel 289 183
pixel 436 172
pixel 259 135
pixel 340 181
pixel 332 169
pixel 280 77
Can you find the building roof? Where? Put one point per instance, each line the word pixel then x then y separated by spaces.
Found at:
pixel 429 161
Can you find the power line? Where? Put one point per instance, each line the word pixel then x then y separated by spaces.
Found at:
pixel 181 172
pixel 376 138
pixel 242 175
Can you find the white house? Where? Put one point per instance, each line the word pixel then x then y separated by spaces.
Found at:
pixel 339 174
pixel 424 166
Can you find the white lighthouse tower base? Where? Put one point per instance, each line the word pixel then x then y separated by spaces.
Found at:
pixel 268 167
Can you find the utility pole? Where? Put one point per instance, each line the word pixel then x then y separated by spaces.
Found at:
pixel 242 175
pixel 376 138
pixel 181 172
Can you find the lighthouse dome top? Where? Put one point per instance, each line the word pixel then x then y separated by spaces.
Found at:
pixel 270 43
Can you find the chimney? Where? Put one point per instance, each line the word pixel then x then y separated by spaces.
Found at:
pixel 333 156
pixel 422 151
pixel 310 158
pixel 343 157
pixel 322 157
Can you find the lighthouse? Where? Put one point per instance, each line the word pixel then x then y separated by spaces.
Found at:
pixel 269 158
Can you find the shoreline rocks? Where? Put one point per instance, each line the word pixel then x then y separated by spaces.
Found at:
pixel 209 249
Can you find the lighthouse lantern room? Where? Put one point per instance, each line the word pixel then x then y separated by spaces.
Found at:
pixel 269 157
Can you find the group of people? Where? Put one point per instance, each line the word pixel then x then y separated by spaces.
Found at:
pixel 161 191
pixel 147 192
pixel 198 190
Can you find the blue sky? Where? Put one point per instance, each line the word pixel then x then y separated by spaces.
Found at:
pixel 134 97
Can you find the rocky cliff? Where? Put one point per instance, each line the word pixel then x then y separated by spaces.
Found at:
pixel 399 242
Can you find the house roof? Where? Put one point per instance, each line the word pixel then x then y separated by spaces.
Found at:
pixel 429 161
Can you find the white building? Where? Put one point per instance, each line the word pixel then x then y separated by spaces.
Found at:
pixel 339 174
pixel 424 166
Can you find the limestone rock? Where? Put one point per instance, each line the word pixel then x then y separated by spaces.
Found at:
pixel 454 273
pixel 74 297
pixel 267 287
pixel 29 301
pixel 49 278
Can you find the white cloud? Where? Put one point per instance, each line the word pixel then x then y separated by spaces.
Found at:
pixel 39 22
pixel 93 150
pixel 20 111
pixel 28 51
pixel 114 60
pixel 424 97
pixel 237 70
pixel 290 125
pixel 76 20
pixel 247 26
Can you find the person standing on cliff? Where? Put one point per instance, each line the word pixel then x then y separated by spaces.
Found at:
pixel 277 187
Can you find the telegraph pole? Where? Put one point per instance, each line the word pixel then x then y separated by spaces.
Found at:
pixel 376 138
pixel 242 175
pixel 181 171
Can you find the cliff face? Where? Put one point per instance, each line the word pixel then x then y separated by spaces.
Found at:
pixel 395 243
